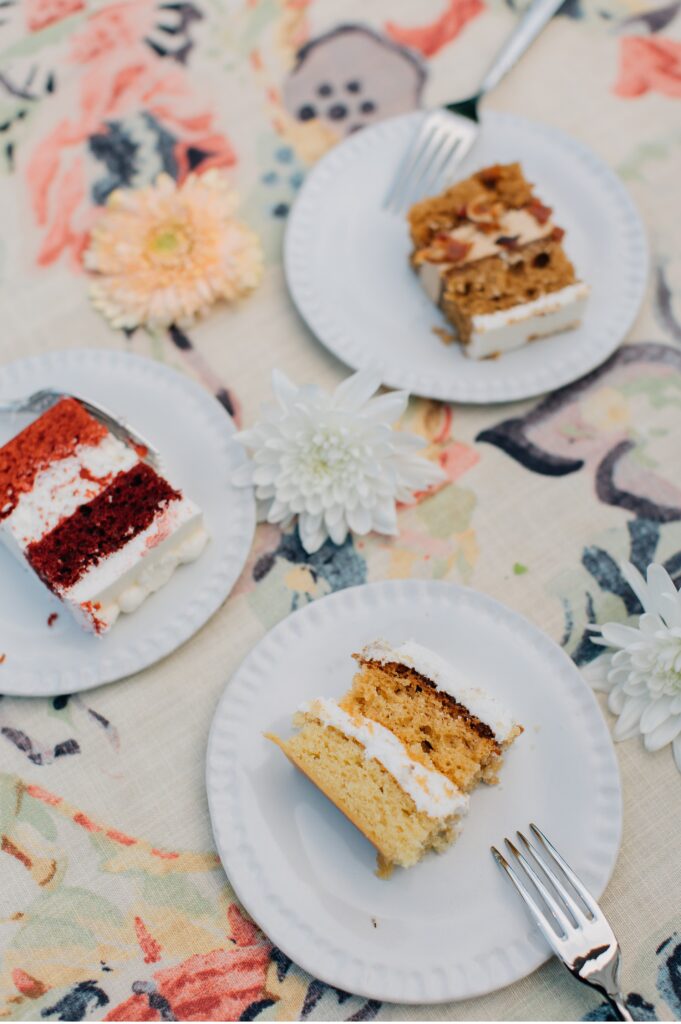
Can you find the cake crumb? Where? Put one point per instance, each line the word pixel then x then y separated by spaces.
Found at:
pixel 445 336
pixel 51 619
pixel 3 658
pixel 373 921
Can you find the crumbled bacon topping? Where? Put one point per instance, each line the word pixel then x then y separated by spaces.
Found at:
pixel 443 249
pixel 457 250
pixel 540 212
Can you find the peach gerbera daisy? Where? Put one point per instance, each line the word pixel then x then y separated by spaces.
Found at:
pixel 165 253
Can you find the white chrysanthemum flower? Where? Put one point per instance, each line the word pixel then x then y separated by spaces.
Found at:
pixel 643 676
pixel 334 460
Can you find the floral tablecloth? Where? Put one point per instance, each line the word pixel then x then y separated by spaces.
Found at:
pixel 112 901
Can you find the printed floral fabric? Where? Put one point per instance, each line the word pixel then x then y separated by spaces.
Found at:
pixel 113 904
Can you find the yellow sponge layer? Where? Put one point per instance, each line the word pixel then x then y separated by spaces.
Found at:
pixel 367 794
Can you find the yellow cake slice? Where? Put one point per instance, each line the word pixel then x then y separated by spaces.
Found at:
pixel 400 751
pixel 402 807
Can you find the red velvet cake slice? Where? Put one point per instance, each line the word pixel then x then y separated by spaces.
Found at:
pixel 101 529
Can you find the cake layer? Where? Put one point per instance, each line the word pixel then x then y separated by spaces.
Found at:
pixel 366 792
pixel 61 487
pixel 123 581
pixel 502 281
pixel 448 726
pixel 100 527
pixel 55 435
pixel 501 183
pixel 431 791
pixel 444 677
pixel 494 333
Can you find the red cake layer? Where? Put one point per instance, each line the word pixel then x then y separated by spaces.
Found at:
pixel 54 435
pixel 97 529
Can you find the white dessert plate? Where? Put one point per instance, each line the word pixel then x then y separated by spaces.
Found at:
pixel 195 438
pixel 347 263
pixel 451 927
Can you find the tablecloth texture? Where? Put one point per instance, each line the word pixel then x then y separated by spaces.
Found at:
pixel 112 900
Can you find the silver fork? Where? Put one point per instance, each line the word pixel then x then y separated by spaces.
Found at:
pixel 41 401
pixel 579 935
pixel 446 135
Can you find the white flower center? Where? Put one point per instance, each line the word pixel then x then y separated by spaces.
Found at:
pixel 657 663
pixel 329 454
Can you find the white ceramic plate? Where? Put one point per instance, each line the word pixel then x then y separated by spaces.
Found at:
pixel 195 437
pixel 451 927
pixel 347 263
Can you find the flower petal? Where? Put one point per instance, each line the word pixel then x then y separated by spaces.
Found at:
pixel 359 519
pixel 660 587
pixel 354 391
pixel 656 713
pixel 627 724
pixel 596 674
pixel 619 635
pixel 386 408
pixel 617 700
pixel 284 391
pixel 637 584
pixel 664 734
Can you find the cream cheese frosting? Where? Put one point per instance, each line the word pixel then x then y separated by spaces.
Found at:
pixel 444 677
pixel 431 791
pixel 508 329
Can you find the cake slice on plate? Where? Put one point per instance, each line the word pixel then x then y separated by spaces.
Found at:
pixel 99 526
pixel 489 254
pixel 399 753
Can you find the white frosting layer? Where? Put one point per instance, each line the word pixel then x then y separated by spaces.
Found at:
pixel 431 791
pixel 64 485
pixel 444 677
pixel 121 582
pixel 494 333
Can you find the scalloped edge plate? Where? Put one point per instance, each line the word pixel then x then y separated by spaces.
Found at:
pixel 452 927
pixel 181 419
pixel 346 262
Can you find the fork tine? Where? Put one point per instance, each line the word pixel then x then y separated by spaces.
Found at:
pixel 557 911
pixel 412 153
pixel 540 918
pixel 568 899
pixel 577 885
pixel 429 185
pixel 428 151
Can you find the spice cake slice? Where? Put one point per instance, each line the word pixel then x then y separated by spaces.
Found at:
pixel 489 254
pixel 99 527
pixel 456 729
pixel 400 751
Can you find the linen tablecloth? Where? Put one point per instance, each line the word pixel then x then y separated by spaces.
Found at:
pixel 112 899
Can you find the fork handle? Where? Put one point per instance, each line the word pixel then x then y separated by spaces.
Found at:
pixel 526 31
pixel 616 999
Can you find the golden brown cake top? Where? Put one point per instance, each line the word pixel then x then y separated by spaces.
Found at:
pixel 479 199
